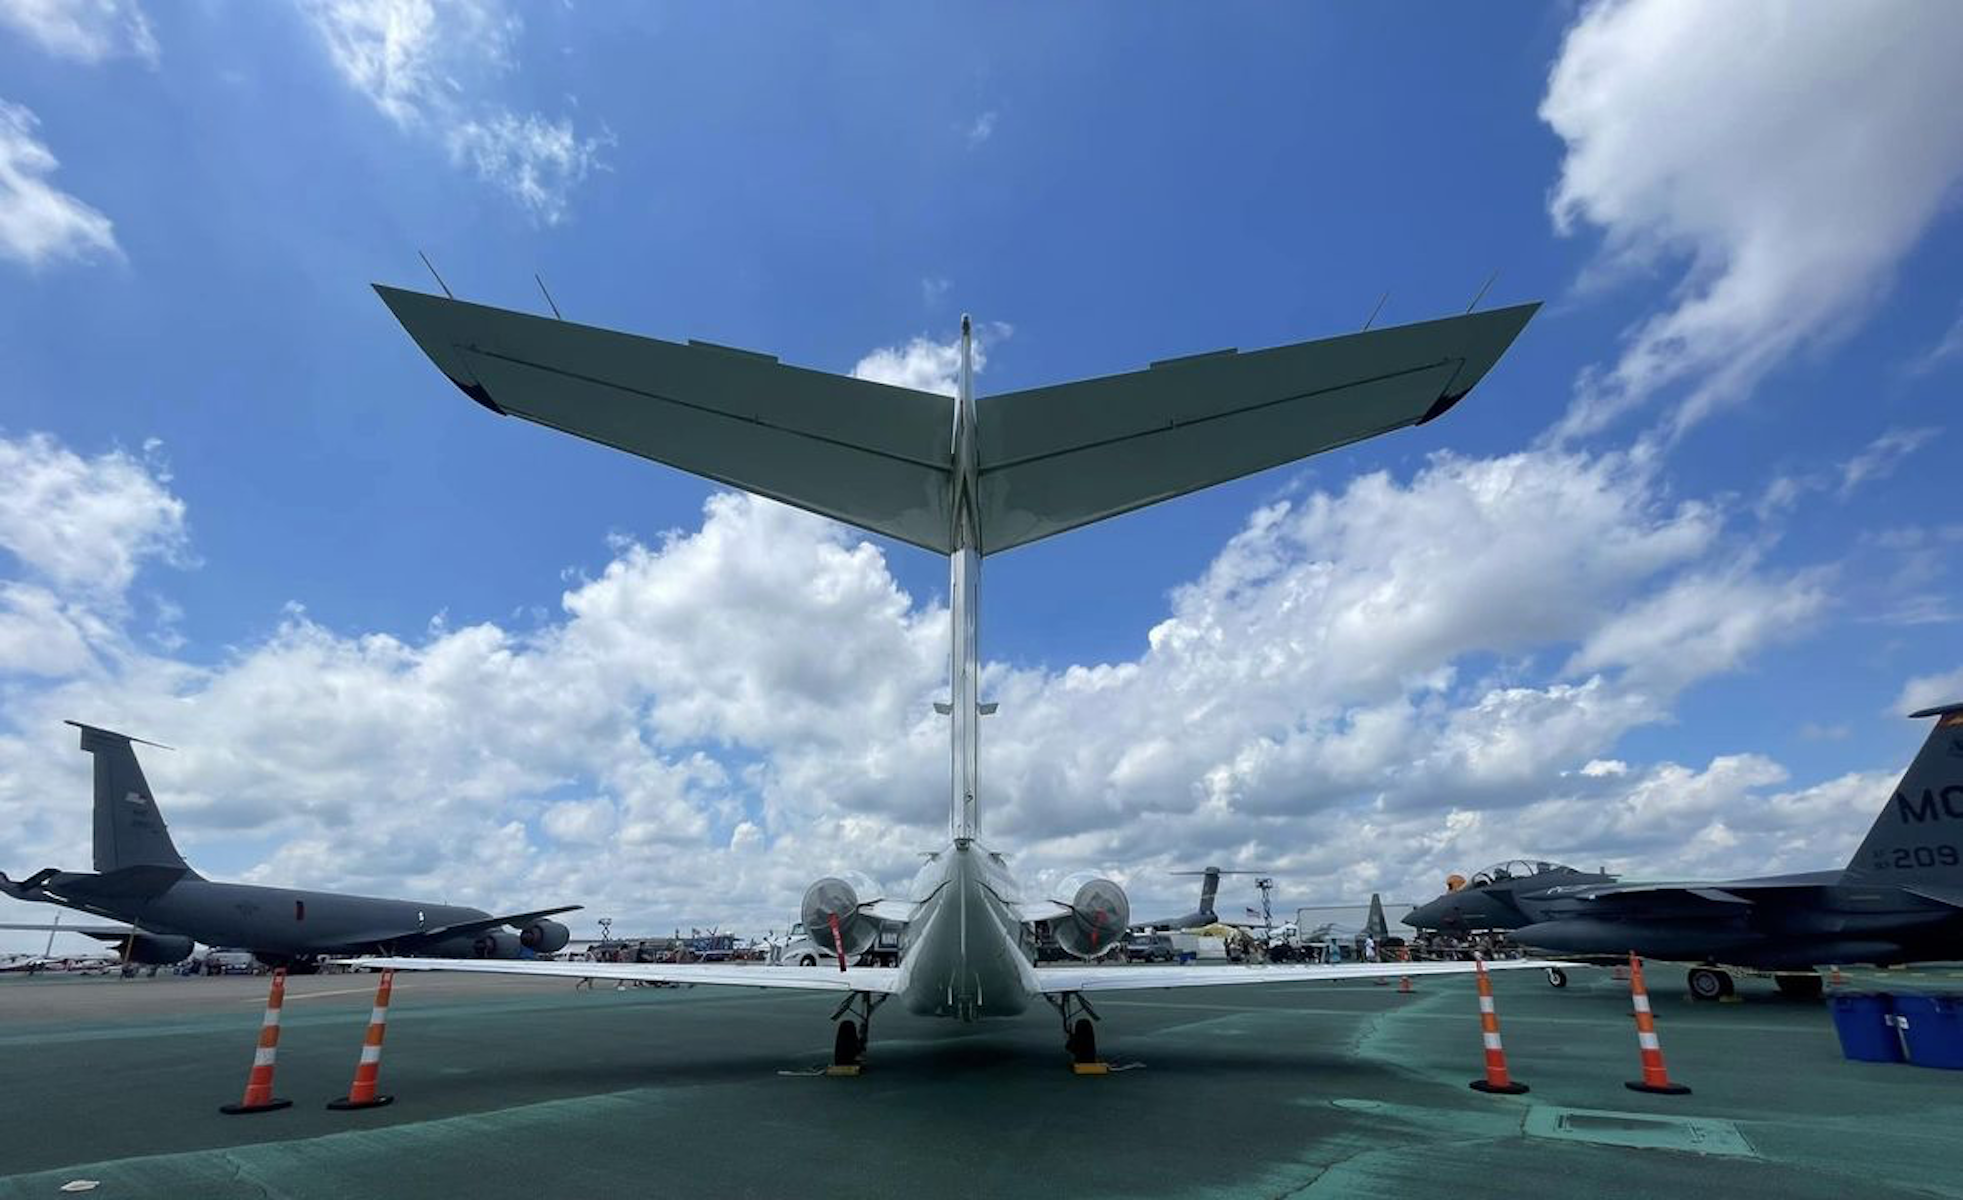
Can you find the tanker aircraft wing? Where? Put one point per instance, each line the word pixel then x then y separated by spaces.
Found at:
pixel 403 939
pixel 878 980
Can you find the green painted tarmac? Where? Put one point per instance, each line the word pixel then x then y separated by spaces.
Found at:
pixel 523 1088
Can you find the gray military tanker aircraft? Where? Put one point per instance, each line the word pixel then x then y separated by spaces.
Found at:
pixel 1899 900
pixel 142 879
pixel 960 479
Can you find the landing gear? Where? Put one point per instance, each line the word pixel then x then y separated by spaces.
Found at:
pixel 849 1047
pixel 1556 977
pixel 853 1032
pixel 1079 1034
pixel 1708 983
pixel 1800 987
pixel 1082 1042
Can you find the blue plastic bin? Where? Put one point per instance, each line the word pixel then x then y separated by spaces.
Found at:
pixel 1862 1023
pixel 1933 1028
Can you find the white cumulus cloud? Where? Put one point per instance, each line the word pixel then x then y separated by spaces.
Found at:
pixel 431 67
pixel 1783 156
pixel 40 223
pixel 86 30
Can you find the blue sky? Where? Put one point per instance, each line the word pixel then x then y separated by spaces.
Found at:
pixel 1109 186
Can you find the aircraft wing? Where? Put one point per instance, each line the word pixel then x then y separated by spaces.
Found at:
pixel 1054 458
pixel 868 453
pixel 1722 891
pixel 889 909
pixel 808 979
pixel 408 939
pixel 103 933
pixel 1055 980
pixel 1031 911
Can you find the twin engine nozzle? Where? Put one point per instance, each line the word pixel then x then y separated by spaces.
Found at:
pixel 1099 916
pixel 831 916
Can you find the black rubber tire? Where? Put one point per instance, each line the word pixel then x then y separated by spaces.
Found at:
pixel 1556 977
pixel 1800 987
pixel 809 960
pixel 848 1046
pixel 1708 983
pixel 1083 1041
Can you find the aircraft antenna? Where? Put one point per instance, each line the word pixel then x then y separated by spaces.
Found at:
pixel 1375 311
pixel 439 279
pixel 1482 290
pixel 548 296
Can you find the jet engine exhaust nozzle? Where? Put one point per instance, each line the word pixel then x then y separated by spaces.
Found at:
pixel 544 937
pixel 832 898
pixel 1099 915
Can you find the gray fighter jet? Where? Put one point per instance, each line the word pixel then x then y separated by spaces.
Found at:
pixel 140 878
pixel 1900 900
pixel 1496 898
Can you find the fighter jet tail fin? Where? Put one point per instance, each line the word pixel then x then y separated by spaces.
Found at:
pixel 1376 925
pixel 1918 838
pixel 129 830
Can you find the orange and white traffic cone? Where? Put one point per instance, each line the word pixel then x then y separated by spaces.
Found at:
pixel 1836 979
pixel 259 1084
pixel 1404 987
pixel 1496 1080
pixel 1655 1078
pixel 361 1093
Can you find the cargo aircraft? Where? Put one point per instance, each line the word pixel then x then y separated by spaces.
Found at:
pixel 965 480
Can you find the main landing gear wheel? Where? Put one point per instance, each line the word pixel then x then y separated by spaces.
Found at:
pixel 1556 977
pixel 1079 1033
pixel 849 1046
pixel 1708 983
pixel 1082 1042
pixel 1800 987
pixel 809 960
pixel 854 1017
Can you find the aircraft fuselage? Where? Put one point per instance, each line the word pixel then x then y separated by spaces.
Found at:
pixel 277 922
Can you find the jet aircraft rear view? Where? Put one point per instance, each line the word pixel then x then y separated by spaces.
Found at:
pixel 954 477
pixel 140 878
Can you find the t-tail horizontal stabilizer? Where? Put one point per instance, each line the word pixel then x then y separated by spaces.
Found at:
pixel 878 457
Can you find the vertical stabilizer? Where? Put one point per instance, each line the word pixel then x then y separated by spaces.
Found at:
pixel 1376 926
pixel 1209 888
pixel 1918 838
pixel 129 831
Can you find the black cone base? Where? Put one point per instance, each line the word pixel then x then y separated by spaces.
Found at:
pixel 1658 1089
pixel 233 1110
pixel 344 1104
pixel 1498 1089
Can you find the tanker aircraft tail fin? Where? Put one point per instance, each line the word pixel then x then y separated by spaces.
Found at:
pixel 129 829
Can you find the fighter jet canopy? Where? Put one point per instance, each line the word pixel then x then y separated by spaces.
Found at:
pixel 1517 868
